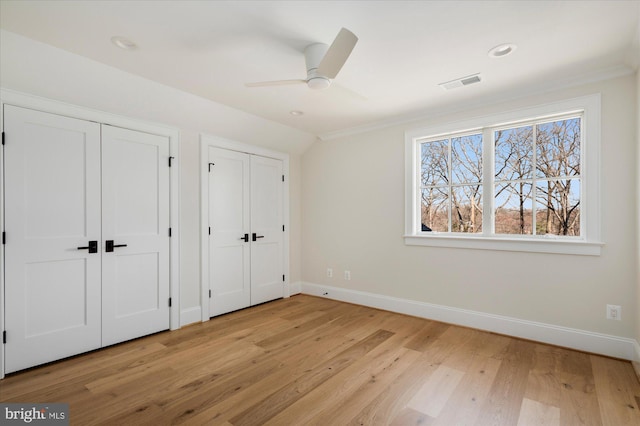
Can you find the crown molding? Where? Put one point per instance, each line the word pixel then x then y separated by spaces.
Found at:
pixel 546 87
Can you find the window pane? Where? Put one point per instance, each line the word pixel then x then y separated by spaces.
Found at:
pixel 435 209
pixel 466 159
pixel 558 148
pixel 514 153
pixel 435 157
pixel 466 204
pixel 537 185
pixel 558 207
pixel 513 214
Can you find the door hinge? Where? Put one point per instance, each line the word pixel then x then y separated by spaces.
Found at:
pixel 170 158
pixel 169 302
pixel 209 294
pixel 169 232
pixel 209 230
pixel 282 228
pixel 4 237
pixel 283 278
pixel 283 178
pixel 2 138
pixel 211 164
pixel 4 337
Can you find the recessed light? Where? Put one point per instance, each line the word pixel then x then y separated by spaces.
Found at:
pixel 502 50
pixel 296 113
pixel 123 43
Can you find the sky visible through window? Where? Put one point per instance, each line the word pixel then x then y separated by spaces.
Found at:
pixel 536 180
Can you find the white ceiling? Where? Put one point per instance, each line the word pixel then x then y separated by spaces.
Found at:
pixel 405 48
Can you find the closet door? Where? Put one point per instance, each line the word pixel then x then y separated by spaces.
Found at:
pixel 52 217
pixel 135 230
pixel 266 230
pixel 230 232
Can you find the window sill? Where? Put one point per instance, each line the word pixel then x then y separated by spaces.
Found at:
pixel 556 246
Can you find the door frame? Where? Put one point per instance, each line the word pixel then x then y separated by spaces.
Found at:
pixel 51 106
pixel 207 141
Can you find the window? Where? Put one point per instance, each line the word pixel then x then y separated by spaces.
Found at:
pixel 537 178
pixel 451 184
pixel 524 181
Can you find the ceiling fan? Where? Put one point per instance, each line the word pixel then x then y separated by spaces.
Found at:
pixel 323 62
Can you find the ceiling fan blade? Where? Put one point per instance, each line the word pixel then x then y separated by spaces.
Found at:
pixel 347 94
pixel 337 53
pixel 274 83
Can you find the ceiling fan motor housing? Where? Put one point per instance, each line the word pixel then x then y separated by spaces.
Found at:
pixel 323 62
pixel 318 83
pixel 313 54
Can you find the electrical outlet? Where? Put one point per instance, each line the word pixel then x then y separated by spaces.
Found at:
pixel 347 275
pixel 329 273
pixel 614 312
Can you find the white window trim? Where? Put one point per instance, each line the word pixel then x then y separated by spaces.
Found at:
pixel 589 243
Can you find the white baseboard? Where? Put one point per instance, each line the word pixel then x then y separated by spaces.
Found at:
pixel 636 362
pixel 295 288
pixel 614 346
pixel 190 315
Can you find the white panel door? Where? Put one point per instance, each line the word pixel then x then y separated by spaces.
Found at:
pixel 135 230
pixel 52 211
pixel 229 236
pixel 266 228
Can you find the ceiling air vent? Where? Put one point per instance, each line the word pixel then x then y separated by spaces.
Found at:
pixel 459 82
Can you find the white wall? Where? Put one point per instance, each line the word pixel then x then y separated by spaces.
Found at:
pixel 42 70
pixel 637 313
pixel 353 218
pixel 345 217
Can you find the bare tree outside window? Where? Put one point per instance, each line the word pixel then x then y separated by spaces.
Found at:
pixel 553 150
pixel 514 171
pixel 435 185
pixel 536 180
pixel 466 190
pixel 451 184
pixel 558 171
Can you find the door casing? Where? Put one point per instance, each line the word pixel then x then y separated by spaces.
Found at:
pixel 24 100
pixel 207 141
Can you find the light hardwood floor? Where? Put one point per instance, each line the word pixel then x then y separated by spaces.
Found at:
pixel 313 361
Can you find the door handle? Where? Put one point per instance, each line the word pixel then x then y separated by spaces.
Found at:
pixel 255 237
pixel 245 238
pixel 92 247
pixel 109 246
